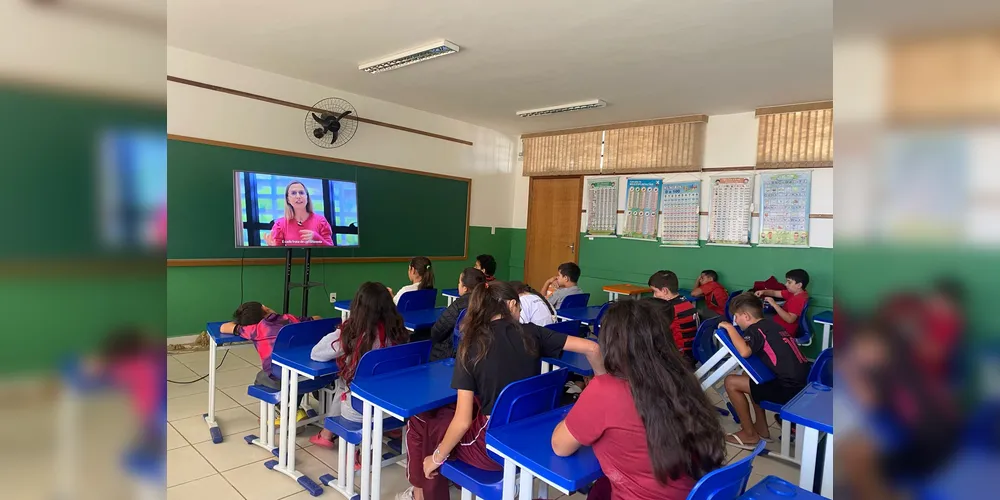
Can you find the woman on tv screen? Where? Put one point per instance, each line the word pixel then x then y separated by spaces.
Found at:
pixel 300 227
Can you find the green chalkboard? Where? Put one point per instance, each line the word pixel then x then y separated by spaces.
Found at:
pixel 400 214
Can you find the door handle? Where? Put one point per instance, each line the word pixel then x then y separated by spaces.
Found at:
pixel 572 248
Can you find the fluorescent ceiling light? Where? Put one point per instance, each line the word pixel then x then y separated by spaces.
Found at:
pixel 576 106
pixel 412 56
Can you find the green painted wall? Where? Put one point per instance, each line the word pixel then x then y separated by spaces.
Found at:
pixel 196 295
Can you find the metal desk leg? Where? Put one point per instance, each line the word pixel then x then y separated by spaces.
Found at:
pixel 525 490
pixel 509 480
pixel 810 441
pixel 366 450
pixel 546 368
pixel 285 415
pixel 827 486
pixel 376 453
pixel 213 426
pixel 826 336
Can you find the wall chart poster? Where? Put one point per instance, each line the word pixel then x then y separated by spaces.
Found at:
pixel 679 217
pixel 642 208
pixel 784 209
pixel 602 214
pixel 729 214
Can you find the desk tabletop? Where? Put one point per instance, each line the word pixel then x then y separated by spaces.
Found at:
pixel 342 305
pixel 627 289
pixel 529 443
pixel 299 359
pixel 752 365
pixel 214 329
pixel 450 292
pixel 423 318
pixel 775 488
pixel 574 362
pixel 825 317
pixel 409 391
pixel 813 407
pixel 584 315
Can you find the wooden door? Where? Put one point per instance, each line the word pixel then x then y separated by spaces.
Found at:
pixel 553 234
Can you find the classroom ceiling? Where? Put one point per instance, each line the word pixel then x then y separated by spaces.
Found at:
pixel 646 58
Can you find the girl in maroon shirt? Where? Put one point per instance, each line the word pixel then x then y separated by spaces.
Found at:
pixel 651 426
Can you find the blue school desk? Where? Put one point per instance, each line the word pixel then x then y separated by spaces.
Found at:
pixel 825 318
pixel 727 358
pixel 420 319
pixel 775 488
pixel 218 341
pixel 812 410
pixel 295 362
pixel 574 362
pixel 686 293
pixel 400 394
pixel 527 444
pixel 451 294
pixel 970 474
pixel 585 315
pixel 344 306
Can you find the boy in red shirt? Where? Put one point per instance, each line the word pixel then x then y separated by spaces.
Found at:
pixel 707 285
pixel 795 297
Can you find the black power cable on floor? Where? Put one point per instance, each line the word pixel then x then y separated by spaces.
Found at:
pixel 203 377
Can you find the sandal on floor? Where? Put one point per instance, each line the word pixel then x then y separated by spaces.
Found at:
pixel 321 442
pixel 739 442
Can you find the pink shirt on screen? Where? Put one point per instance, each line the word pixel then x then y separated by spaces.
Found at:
pixel 286 234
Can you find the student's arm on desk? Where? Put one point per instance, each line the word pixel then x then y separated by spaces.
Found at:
pixel 586 418
pixel 563 442
pixel 228 327
pixel 768 293
pixel 328 348
pixel 786 316
pixel 460 424
pixel 741 346
pixel 588 348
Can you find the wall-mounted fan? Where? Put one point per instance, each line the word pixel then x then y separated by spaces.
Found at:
pixel 334 126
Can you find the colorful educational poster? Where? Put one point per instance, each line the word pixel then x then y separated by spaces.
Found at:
pixel 602 213
pixel 642 208
pixel 784 209
pixel 679 213
pixel 729 214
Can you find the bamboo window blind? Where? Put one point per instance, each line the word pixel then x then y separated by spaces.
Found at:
pixel 795 136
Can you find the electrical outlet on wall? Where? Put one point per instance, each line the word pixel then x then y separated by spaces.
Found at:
pixel 333 297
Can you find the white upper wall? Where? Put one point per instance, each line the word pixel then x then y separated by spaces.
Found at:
pixel 208 114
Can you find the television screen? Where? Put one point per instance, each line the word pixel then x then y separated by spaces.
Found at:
pixel 291 211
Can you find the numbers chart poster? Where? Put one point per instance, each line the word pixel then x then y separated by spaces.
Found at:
pixel 602 214
pixel 729 215
pixel 642 208
pixel 679 217
pixel 784 209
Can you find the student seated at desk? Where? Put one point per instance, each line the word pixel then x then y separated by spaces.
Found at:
pixel 564 282
pixel 707 285
pixel 421 276
pixel 678 313
pixel 444 327
pixel 795 297
pixel 260 324
pixel 647 448
pixel 534 308
pixel 488 265
pixel 779 352
pixel 495 350
pixel 374 323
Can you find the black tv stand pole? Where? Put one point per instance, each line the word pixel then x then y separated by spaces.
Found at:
pixel 306 284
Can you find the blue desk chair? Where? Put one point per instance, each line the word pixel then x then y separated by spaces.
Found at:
pixel 289 336
pixel 728 482
pixel 566 327
pixel 703 349
pixel 456 334
pixel 729 317
pixel 600 316
pixel 417 300
pixel 805 334
pixel 519 400
pixel 822 372
pixel 574 301
pixel 373 363
pixel 773 487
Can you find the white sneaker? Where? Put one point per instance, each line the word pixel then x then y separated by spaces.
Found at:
pixel 406 494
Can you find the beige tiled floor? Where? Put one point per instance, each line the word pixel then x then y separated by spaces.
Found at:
pixel 198 469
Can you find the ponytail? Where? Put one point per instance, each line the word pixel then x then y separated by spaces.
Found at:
pixel 526 288
pixel 422 266
pixel 486 303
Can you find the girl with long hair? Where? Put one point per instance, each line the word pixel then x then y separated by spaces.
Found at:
pixel 421 276
pixel 495 350
pixel 651 426
pixel 534 308
pixel 300 227
pixel 374 324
